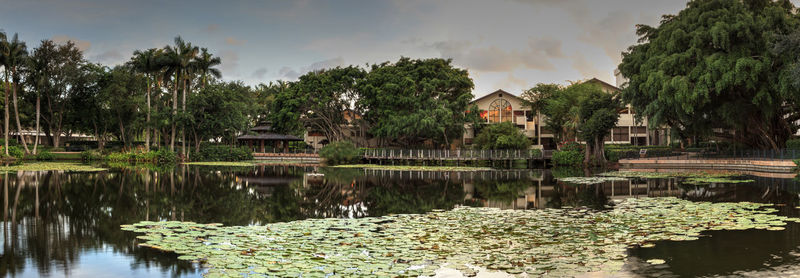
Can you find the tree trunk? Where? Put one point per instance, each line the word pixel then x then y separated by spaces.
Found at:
pixel 38 113
pixel 16 114
pixel 174 113
pixel 147 122
pixel 7 117
pixel 183 128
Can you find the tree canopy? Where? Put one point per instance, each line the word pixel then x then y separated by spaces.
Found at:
pixel 502 136
pixel 713 66
pixel 411 101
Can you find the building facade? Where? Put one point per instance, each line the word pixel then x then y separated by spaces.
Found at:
pixel 501 106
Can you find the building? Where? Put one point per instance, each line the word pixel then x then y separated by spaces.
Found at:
pixel 501 106
pixel 262 140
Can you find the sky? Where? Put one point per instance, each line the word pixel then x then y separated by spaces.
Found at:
pixel 504 44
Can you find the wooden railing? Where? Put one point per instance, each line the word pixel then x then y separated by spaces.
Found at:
pixel 429 154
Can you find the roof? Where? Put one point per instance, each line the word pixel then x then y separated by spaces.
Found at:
pixel 495 92
pixel 262 128
pixel 603 83
pixel 269 136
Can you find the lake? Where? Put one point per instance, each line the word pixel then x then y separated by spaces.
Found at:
pixel 59 224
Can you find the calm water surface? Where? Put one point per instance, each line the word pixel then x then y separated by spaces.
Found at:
pixel 67 224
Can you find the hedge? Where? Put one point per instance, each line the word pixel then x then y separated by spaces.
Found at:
pixel 567 158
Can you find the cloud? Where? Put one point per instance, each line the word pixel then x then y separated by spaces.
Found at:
pixel 231 63
pixel 233 41
pixel 110 57
pixel 80 44
pixel 585 67
pixel 259 73
pixel 289 73
pixel 493 58
pixel 293 74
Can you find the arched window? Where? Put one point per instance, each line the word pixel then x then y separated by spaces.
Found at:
pixel 499 111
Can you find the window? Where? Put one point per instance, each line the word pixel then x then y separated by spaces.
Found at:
pixel 499 111
pixel 620 134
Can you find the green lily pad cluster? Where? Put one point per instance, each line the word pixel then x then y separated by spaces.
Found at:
pixel 591 180
pixel 677 174
pixel 703 181
pixel 51 166
pixel 223 163
pixel 547 242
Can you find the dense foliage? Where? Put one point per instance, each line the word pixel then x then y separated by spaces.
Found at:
pixel 597 113
pixel 793 144
pixel 713 66
pixel 223 153
pixel 411 101
pixel 502 136
pixel 341 152
pixel 318 101
pixel 567 158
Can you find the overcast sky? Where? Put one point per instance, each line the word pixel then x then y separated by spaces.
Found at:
pixel 505 44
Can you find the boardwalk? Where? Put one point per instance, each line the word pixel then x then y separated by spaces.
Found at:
pixel 456 155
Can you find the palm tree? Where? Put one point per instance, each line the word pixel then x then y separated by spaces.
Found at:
pixel 204 64
pixel 180 57
pixel 3 43
pixel 147 62
pixel 15 52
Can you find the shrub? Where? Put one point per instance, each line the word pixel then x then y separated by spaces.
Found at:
pixel 797 163
pixel 793 144
pixel 45 155
pixel 14 151
pixel 222 153
pixel 163 156
pixel 572 146
pixel 502 136
pixel 341 152
pixel 567 158
pixel 91 155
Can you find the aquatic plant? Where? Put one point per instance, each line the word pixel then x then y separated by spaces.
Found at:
pixel 676 174
pixel 222 163
pixel 557 242
pixel 51 166
pixel 702 181
pixel 590 180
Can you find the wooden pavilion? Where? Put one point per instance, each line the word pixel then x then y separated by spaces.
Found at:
pixel 264 137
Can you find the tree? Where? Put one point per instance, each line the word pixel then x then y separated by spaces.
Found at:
pixel 561 109
pixel 537 97
pixel 179 61
pixel 219 111
pixel 3 42
pixel 205 63
pixel 502 136
pixel 598 112
pixel 318 101
pixel 38 73
pixel 412 101
pixel 712 66
pixel 149 64
pixel 13 54
pixel 60 85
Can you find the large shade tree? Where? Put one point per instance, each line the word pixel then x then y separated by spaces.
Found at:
pixel 711 66
pixel 598 114
pixel 318 101
pixel 412 101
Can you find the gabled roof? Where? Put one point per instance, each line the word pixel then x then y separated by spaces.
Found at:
pixel 269 137
pixel 495 92
pixel 603 83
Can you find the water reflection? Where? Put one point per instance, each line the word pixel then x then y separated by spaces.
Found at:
pixel 67 224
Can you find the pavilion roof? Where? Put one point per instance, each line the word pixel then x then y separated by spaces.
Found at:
pixel 270 137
